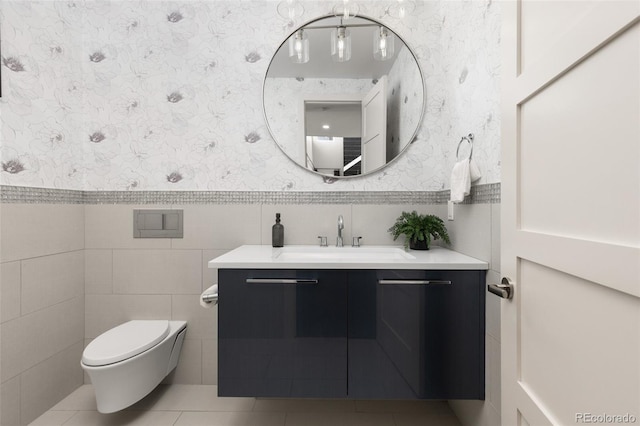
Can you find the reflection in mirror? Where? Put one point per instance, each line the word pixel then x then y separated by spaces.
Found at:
pixel 333 136
pixel 342 117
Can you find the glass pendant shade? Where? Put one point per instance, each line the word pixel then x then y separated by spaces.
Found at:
pixel 382 44
pixel 299 47
pixel 340 44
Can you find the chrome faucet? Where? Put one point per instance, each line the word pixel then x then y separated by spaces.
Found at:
pixel 340 228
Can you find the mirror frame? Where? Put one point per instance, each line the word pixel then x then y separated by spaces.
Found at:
pixel 412 139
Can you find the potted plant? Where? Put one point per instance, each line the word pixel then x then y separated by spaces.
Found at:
pixel 419 230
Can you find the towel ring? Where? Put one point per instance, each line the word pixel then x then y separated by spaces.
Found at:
pixel 469 139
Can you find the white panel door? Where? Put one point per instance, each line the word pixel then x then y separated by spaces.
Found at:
pixel 374 127
pixel 571 212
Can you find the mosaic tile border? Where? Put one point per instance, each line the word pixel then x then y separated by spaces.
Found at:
pixel 480 194
pixel 32 195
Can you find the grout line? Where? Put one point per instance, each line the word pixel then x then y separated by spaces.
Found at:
pixel 111 282
pixel 178 418
pixel 43 255
pixel 77 296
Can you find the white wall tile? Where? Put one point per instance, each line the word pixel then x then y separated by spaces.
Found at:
pixel 98 271
pixel 51 330
pixel 103 312
pixel 209 361
pixel 49 382
pixel 30 230
pixel 470 231
pixel 157 271
pixel 219 226
pixel 202 323
pixel 10 297
pixel 10 402
pixel 372 222
pixel 475 232
pixel 82 399
pixel 51 279
pixel 111 227
pixel 86 380
pixel 303 223
pixel 10 349
pixel 189 368
pixel 495 237
pixel 32 338
pixel 210 275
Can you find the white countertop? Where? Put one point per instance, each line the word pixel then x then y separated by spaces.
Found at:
pixel 365 257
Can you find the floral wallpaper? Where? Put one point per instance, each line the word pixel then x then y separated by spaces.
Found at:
pixel 405 93
pixel 151 95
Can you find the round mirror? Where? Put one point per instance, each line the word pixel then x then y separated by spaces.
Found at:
pixel 343 97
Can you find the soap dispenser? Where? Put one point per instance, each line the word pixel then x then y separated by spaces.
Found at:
pixel 277 233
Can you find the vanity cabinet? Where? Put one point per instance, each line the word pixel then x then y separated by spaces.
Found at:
pixel 282 333
pixel 416 334
pixel 366 334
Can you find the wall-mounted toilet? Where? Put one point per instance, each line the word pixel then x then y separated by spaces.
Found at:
pixel 130 360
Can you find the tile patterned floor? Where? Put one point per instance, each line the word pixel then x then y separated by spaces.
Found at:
pixel 195 405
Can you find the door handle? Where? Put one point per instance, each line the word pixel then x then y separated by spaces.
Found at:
pixel 504 289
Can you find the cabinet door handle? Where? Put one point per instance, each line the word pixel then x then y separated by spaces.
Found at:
pixel 414 282
pixel 280 281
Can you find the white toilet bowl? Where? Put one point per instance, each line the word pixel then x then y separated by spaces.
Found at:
pixel 130 360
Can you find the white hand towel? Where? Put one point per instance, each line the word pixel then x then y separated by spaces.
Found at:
pixel 213 290
pixel 474 170
pixel 460 181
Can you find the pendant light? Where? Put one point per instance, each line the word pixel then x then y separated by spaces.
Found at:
pixel 340 44
pixel 299 47
pixel 382 44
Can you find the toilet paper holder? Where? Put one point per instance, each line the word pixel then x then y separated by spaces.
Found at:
pixel 209 297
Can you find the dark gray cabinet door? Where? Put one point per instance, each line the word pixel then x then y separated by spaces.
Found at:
pixel 282 333
pixel 416 334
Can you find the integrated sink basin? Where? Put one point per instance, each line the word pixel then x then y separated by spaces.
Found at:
pixel 332 257
pixel 337 254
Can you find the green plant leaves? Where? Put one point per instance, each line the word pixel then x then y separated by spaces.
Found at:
pixel 420 227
